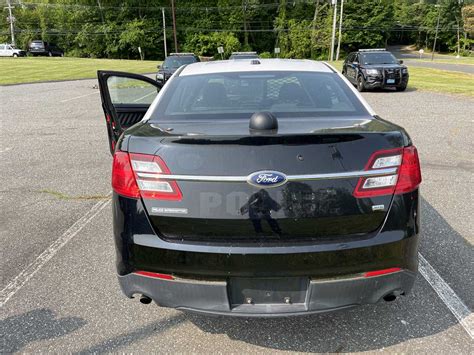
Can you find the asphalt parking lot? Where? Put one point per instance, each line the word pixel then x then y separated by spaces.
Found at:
pixel 59 290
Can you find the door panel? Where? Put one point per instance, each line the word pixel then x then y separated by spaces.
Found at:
pixel 125 99
pixel 128 116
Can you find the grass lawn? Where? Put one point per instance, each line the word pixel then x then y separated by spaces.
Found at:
pixel 29 69
pixel 448 60
pixel 441 81
pixel 436 80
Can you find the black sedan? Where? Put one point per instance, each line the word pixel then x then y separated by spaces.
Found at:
pixel 172 63
pixel 259 188
pixel 375 69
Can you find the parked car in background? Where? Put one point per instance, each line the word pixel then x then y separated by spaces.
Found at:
pixel 261 187
pixel 45 48
pixel 9 50
pixel 375 69
pixel 244 55
pixel 172 63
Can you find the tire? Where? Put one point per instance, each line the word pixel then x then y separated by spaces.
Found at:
pixel 401 88
pixel 360 84
pixel 50 54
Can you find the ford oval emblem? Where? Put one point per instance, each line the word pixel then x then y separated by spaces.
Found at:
pixel 266 179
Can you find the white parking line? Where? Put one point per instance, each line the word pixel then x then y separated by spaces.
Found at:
pixel 457 307
pixel 141 98
pixel 5 150
pixel 19 281
pixel 78 97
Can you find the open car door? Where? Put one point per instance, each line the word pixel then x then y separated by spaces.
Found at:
pixel 126 98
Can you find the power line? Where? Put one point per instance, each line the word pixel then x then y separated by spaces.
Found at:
pixel 199 29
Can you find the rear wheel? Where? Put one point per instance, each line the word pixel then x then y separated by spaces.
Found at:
pixel 401 88
pixel 360 84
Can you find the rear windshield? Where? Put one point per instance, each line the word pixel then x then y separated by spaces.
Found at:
pixel 176 61
pixel 378 58
pixel 239 95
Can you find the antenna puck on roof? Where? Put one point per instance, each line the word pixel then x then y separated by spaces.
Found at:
pixel 263 121
pixel 255 62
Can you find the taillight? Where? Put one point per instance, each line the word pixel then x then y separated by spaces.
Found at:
pixel 123 178
pixel 155 275
pixel 409 174
pixel 406 179
pixel 382 272
pixel 147 172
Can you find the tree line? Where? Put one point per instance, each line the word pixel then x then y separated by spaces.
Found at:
pixel 300 28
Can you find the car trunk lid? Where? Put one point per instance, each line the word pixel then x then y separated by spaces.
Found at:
pixel 218 204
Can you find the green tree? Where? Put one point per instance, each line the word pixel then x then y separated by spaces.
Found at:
pixel 367 23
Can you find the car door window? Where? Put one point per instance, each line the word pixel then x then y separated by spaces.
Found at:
pixel 130 91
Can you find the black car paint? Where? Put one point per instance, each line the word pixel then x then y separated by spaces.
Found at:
pixel 355 70
pixel 145 241
pixel 328 210
pixel 394 244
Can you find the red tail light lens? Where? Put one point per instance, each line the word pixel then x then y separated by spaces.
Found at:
pixel 135 175
pixel 382 272
pixel 155 275
pixel 406 179
pixel 123 178
pixel 409 175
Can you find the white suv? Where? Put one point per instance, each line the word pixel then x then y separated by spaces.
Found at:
pixel 8 50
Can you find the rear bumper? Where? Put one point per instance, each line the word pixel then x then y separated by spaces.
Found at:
pixel 216 298
pixel 38 51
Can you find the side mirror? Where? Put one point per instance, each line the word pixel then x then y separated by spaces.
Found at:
pixel 400 61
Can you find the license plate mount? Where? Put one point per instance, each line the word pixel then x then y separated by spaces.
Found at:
pixel 268 291
pixel 390 81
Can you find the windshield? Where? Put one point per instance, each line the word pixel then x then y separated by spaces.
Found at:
pixel 176 62
pixel 239 95
pixel 378 58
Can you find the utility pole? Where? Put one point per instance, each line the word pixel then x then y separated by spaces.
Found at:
pixel 340 31
pixel 174 28
pixel 436 34
pixel 100 11
pixel 11 19
pixel 333 37
pixel 313 27
pixel 164 30
pixel 244 13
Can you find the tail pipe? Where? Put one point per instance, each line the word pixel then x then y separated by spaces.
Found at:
pixel 145 299
pixel 392 296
